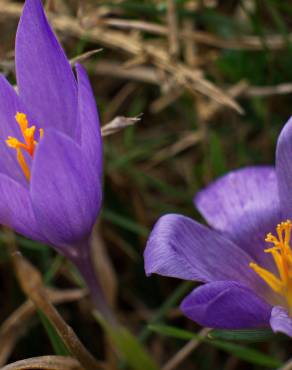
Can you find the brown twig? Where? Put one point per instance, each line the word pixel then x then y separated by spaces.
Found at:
pixel 118 99
pixel 139 73
pixel 35 290
pixel 262 91
pixel 84 56
pixel 186 140
pixel 190 49
pixel 45 363
pixel 165 100
pixel 183 75
pixel 151 76
pixel 118 123
pixel 273 42
pixel 287 365
pixel 15 325
pixel 173 41
pixel 207 111
pixel 185 351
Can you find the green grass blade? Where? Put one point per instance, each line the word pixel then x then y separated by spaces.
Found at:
pixel 58 345
pixel 170 302
pixel 124 222
pixel 128 346
pixel 248 336
pixel 244 353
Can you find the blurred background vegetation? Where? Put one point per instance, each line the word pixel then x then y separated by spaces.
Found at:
pixel 211 81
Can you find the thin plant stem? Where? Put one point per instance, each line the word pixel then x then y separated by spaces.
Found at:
pixel 84 264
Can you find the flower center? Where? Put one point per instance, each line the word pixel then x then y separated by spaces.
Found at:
pixel 282 255
pixel 28 145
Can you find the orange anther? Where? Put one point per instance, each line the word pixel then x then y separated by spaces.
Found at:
pixel 21 120
pixel 29 142
pixel 23 164
pixel 41 133
pixel 282 254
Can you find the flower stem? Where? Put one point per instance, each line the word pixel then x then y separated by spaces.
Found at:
pixel 84 263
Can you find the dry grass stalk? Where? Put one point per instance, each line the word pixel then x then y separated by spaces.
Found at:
pixel 287 365
pixel 118 124
pixel 281 89
pixel 45 363
pixel 142 74
pixel 16 324
pixel 185 351
pixel 173 38
pixel 273 42
pixel 83 57
pixel 36 292
pixel 165 100
pixel 186 141
pixel 119 99
pixel 206 111
pixel 151 76
pixel 183 75
pixel 190 49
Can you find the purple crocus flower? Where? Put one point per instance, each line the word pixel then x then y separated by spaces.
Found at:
pixel 245 261
pixel 51 148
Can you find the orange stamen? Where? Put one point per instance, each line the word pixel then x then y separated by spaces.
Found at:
pixel 23 164
pixel 22 121
pixel 29 142
pixel 41 133
pixel 282 255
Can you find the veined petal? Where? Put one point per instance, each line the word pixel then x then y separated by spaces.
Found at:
pixel 10 104
pixel 244 204
pixel 65 196
pixel 226 305
pixel 88 122
pixel 182 248
pixel 280 321
pixel 45 80
pixel 284 168
pixel 9 165
pixel 16 210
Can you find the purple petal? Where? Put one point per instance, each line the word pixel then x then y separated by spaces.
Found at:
pixel 91 141
pixel 10 104
pixel 45 80
pixel 16 210
pixel 244 205
pixel 180 247
pixel 280 321
pixel 65 196
pixel 284 168
pixel 226 305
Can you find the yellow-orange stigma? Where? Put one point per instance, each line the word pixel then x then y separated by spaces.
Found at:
pixel 282 255
pixel 28 145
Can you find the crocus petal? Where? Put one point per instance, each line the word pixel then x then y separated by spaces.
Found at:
pixel 280 321
pixel 45 80
pixel 284 168
pixel 88 121
pixel 182 248
pixel 16 210
pixel 65 198
pixel 226 305
pixel 10 104
pixel 244 204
